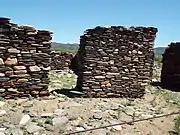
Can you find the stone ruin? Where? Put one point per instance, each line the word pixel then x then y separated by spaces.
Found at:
pixel 115 61
pixel 60 60
pixel 170 73
pixel 111 61
pixel 24 60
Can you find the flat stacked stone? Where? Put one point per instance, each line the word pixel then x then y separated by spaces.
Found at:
pixel 24 60
pixel 115 61
pixel 170 73
pixel 60 60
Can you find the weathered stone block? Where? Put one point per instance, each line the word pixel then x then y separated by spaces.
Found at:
pixel 11 61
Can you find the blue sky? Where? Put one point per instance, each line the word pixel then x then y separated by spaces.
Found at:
pixel 68 19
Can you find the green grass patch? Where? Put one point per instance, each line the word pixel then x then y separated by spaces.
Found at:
pixel 62 80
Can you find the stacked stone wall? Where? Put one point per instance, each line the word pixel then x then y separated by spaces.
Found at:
pixel 170 73
pixel 60 60
pixel 115 61
pixel 24 60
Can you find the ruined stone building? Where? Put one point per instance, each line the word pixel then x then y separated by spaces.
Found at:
pixel 114 61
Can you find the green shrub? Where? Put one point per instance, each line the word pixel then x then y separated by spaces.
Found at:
pixel 49 121
pixel 177 125
pixel 158 59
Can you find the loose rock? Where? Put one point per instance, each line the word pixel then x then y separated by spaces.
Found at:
pixel 59 120
pixel 33 128
pixel 2 103
pixel 24 119
pixel 16 131
pixel 2 112
pixel 1 133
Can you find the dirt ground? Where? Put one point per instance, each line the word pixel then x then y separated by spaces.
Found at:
pixel 59 114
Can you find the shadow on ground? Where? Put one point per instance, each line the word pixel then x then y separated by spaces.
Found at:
pixel 173 88
pixel 71 93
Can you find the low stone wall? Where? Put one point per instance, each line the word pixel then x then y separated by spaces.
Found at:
pixel 115 61
pixel 60 60
pixel 170 73
pixel 24 60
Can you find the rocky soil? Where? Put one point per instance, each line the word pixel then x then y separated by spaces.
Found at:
pixel 58 114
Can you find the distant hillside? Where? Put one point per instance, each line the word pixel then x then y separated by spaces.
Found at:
pixel 74 47
pixel 65 47
pixel 159 50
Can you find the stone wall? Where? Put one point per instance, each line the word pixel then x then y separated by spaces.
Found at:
pixel 24 60
pixel 170 73
pixel 115 61
pixel 60 60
